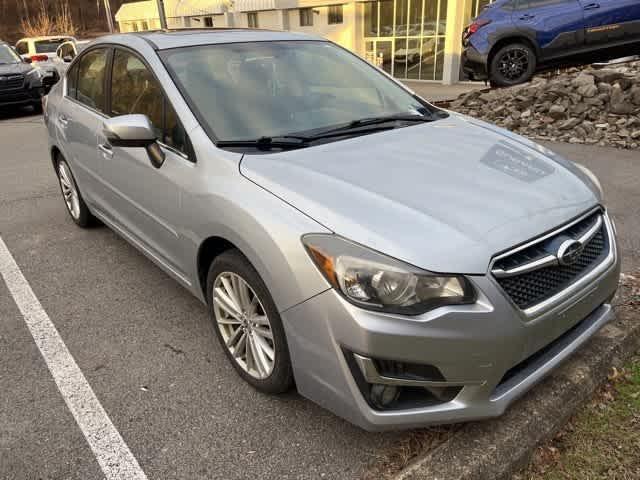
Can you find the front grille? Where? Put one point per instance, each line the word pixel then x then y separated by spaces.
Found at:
pixel 530 288
pixel 10 82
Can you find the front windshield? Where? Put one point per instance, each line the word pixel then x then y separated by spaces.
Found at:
pixel 7 55
pixel 245 91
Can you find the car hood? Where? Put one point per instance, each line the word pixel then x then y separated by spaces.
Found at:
pixel 15 68
pixel 445 196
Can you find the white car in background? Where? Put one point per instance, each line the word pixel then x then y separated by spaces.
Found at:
pixel 66 52
pixel 41 50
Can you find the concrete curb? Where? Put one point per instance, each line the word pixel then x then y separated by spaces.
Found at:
pixel 498 448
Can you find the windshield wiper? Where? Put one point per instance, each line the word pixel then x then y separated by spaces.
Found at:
pixel 284 142
pixel 364 122
pixel 289 142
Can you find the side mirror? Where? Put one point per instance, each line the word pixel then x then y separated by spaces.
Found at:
pixel 134 131
pixel 67 59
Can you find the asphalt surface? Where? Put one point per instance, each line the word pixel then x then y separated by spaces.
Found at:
pixel 147 348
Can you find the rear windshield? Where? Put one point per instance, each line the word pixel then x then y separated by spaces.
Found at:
pixel 49 46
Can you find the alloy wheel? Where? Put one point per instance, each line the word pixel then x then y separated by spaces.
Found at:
pixel 514 64
pixel 69 190
pixel 244 325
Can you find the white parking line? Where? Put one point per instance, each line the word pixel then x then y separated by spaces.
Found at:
pixel 113 455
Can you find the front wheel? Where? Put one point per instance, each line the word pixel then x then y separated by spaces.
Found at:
pixel 247 323
pixel 511 65
pixel 73 200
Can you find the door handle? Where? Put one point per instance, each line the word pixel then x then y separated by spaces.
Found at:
pixel 527 16
pixel 592 6
pixel 64 120
pixel 106 150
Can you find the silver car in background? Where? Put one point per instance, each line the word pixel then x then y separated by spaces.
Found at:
pixel 404 265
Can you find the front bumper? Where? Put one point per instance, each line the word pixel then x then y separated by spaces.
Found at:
pixel 22 96
pixel 490 350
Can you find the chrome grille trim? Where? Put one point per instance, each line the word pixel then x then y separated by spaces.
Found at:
pixel 581 283
pixel 547 260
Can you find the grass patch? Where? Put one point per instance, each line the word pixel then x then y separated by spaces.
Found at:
pixel 602 441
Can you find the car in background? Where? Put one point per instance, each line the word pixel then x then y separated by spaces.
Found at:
pixel 404 264
pixel 21 83
pixel 66 52
pixel 41 49
pixel 511 39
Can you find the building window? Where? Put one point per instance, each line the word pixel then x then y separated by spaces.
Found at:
pixel 135 26
pixel 208 22
pixel 252 19
pixel 335 14
pixel 145 25
pixel 306 17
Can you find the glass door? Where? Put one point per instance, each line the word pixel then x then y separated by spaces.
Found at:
pixel 384 53
pixel 380 53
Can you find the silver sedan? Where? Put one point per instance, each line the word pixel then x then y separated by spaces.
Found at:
pixel 402 264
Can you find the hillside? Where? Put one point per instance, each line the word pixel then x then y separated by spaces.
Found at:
pixel 87 16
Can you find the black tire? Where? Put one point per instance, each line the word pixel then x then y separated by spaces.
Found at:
pixel 511 65
pixel 281 377
pixel 85 218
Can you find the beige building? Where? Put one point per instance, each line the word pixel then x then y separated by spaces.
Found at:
pixel 410 39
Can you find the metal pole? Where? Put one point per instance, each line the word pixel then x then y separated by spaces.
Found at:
pixel 163 18
pixel 107 11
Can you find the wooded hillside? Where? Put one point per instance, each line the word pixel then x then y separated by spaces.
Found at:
pixel 85 16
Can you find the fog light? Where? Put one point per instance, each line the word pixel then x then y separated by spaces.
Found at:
pixel 382 396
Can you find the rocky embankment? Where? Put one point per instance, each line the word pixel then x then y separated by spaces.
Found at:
pixel 581 105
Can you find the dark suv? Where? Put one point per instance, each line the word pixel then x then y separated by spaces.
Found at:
pixel 510 39
pixel 20 82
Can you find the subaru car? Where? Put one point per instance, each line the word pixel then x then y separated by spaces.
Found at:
pixel 400 264
pixel 21 84
pixel 511 39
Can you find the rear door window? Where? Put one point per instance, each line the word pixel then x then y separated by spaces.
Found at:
pixel 91 79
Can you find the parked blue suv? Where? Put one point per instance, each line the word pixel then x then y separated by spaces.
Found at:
pixel 510 39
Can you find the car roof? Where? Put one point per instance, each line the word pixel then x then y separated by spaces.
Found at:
pixel 165 39
pixel 47 37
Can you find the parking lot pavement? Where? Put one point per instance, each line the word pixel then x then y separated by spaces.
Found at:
pixel 147 349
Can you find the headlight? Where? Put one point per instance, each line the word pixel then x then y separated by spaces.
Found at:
pixel 35 73
pixel 591 175
pixel 372 280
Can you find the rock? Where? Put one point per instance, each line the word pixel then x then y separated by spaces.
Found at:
pixel 557 111
pixel 570 123
pixel 604 87
pixel 587 90
pixel 635 135
pixel 635 95
pixel 583 80
pixel 625 83
pixel 606 75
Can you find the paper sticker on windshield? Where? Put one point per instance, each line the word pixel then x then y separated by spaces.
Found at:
pixel 517 163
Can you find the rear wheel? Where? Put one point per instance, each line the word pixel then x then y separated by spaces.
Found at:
pixel 247 323
pixel 73 200
pixel 512 64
